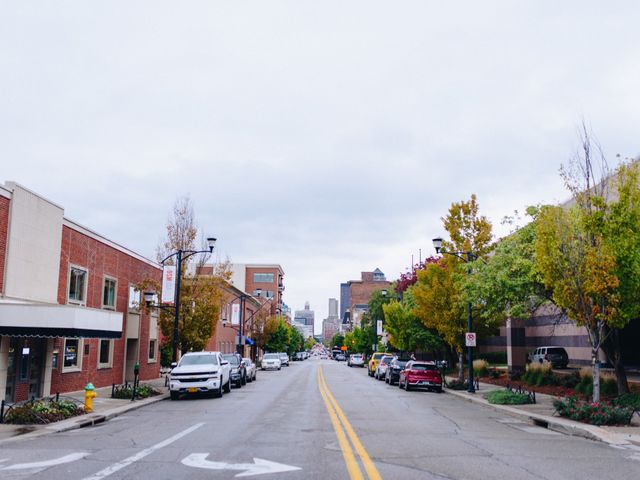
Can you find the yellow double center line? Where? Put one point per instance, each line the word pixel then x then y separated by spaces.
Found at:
pixel 343 429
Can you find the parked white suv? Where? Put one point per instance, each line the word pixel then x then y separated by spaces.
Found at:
pixel 200 372
pixel 271 360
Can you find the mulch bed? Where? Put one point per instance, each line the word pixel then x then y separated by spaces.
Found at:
pixel 555 390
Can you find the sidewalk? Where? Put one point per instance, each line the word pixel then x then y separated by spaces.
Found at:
pixel 543 414
pixel 104 408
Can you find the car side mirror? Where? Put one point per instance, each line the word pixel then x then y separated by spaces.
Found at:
pixel 224 362
pixel 174 364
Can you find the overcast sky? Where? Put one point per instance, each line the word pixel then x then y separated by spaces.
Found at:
pixel 327 136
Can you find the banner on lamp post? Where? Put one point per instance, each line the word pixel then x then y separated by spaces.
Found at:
pixel 235 314
pixel 379 327
pixel 168 284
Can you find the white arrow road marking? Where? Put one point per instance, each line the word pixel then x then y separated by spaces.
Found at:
pixel 259 467
pixel 147 451
pixel 47 463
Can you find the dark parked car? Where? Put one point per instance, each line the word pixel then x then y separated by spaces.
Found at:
pixel 420 375
pixel 238 369
pixel 392 375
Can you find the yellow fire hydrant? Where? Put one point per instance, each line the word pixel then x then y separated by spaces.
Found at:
pixel 89 395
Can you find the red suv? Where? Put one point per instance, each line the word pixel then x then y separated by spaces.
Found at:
pixel 420 375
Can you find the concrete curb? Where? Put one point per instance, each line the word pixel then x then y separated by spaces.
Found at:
pixel 557 424
pixel 85 420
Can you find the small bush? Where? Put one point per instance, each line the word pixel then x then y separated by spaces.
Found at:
pixel 631 400
pixel 457 385
pixel 569 381
pixel 126 391
pixel 608 383
pixel 494 373
pixel 540 374
pixel 600 413
pixel 480 368
pixel 499 358
pixel 507 397
pixel 42 411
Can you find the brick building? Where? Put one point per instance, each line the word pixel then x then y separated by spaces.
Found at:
pixel 358 293
pixel 68 309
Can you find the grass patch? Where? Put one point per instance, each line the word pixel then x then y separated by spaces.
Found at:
pixel 507 397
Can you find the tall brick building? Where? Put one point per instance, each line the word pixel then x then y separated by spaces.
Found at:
pixel 68 309
pixel 357 294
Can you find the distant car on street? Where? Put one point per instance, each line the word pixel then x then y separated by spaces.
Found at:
pixel 373 362
pixel 340 357
pixel 420 375
pixel 356 360
pixel 238 369
pixel 284 359
pixel 251 369
pixel 271 361
pixel 381 371
pixel 392 374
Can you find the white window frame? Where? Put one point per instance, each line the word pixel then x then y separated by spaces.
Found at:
pixel 106 278
pixel 155 351
pixel 80 354
pixel 109 364
pixel 73 301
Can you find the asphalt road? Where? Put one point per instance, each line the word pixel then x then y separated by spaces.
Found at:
pixel 316 420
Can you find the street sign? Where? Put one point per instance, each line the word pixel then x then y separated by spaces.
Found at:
pixel 379 327
pixel 470 339
pixel 343 348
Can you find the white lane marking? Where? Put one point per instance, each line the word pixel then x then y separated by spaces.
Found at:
pixel 259 467
pixel 47 463
pixel 147 451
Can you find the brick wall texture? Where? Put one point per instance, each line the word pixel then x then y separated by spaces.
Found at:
pixel 4 229
pixel 101 260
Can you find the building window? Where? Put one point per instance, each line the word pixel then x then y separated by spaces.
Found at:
pixel 77 285
pixel 72 357
pixel 134 298
pixel 104 353
pixel 269 294
pixel 263 278
pixel 152 350
pixel 109 293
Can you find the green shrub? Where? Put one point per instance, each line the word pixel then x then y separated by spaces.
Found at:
pixel 456 385
pixel 540 374
pixel 600 413
pixel 480 368
pixel 569 381
pixel 631 400
pixel 499 358
pixel 507 397
pixel 42 411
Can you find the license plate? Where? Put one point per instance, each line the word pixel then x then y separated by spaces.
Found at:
pixel 192 390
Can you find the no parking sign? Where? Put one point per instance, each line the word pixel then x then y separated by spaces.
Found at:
pixel 470 339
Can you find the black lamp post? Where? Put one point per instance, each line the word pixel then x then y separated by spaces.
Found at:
pixel 180 255
pixel 468 257
pixel 240 328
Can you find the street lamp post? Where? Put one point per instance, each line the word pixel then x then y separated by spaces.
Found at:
pixel 240 328
pixel 182 255
pixel 468 257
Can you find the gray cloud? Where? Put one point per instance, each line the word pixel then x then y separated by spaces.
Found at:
pixel 329 137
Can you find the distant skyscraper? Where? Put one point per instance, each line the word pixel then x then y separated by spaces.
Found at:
pixel 305 317
pixel 333 307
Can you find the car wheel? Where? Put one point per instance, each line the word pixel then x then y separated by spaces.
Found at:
pixel 386 380
pixel 243 380
pixel 175 395
pixel 279 368
pixel 227 386
pixel 406 385
pixel 399 384
pixel 218 392
pixel 438 389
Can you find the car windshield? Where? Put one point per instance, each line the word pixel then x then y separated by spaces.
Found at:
pixel 198 360
pixel 271 356
pixel 232 359
pixel 247 361
pixel 423 366
pixel 401 363
pixel 386 360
